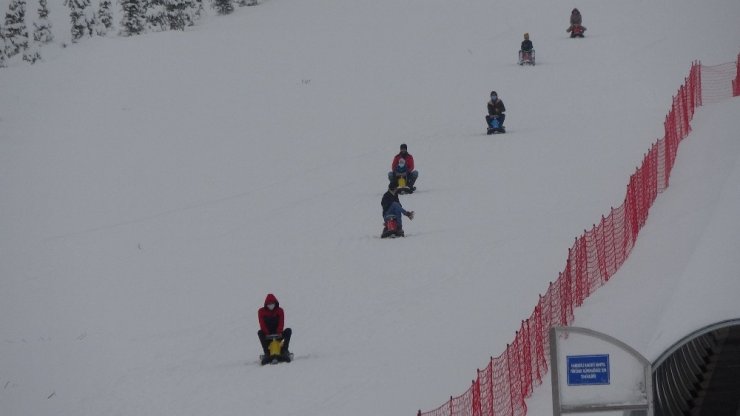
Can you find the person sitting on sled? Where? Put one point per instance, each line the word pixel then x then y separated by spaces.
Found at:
pixel 576 27
pixel 496 109
pixel 407 169
pixel 392 206
pixel 272 319
pixel 526 51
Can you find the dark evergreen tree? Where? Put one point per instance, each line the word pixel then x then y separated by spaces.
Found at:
pixel 42 30
pixel 2 47
pixel 83 18
pixel 223 6
pixel 105 18
pixel 181 13
pixel 133 20
pixel 16 33
pixel 32 53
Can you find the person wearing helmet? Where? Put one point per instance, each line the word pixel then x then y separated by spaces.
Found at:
pixel 526 52
pixel 576 27
pixel 272 320
pixel 392 206
pixel 496 110
pixel 403 165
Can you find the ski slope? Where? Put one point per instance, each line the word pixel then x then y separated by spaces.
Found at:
pixel 156 188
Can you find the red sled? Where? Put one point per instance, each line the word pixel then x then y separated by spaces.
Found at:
pixel 391 228
pixel 576 31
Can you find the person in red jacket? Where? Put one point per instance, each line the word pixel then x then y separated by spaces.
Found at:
pixel 403 165
pixel 272 320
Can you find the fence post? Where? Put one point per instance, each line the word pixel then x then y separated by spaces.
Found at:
pixel 475 399
pixel 736 82
pixel 508 371
pixel 490 387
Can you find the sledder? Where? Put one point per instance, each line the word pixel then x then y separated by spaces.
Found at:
pixel 273 337
pixel 393 212
pixel 402 171
pixel 576 27
pixel 496 116
pixel 526 52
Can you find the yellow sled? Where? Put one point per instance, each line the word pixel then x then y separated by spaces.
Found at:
pixel 275 349
pixel 402 186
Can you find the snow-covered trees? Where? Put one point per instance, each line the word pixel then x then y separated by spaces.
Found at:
pixel 32 53
pixel 223 6
pixel 14 35
pixel 133 20
pixel 15 31
pixel 138 16
pixel 2 47
pixel 83 18
pixel 104 18
pixel 158 15
pixel 42 29
pixel 181 13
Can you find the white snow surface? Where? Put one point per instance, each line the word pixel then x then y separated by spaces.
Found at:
pixel 154 189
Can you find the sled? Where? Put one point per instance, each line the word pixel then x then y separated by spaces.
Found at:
pixel 275 348
pixel 576 31
pixel 495 127
pixel 391 228
pixel 403 187
pixel 526 57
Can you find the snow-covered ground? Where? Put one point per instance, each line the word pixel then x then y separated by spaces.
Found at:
pixel 154 189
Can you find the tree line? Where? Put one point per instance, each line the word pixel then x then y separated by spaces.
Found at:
pixel 87 20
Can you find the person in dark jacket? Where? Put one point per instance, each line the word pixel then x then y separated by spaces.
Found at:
pixel 527 44
pixel 272 320
pixel 392 206
pixel 403 158
pixel 576 27
pixel 496 109
pixel 526 52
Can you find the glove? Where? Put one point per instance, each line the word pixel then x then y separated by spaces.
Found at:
pixel 410 214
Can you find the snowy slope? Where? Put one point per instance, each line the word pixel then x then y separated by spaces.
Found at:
pixel 155 188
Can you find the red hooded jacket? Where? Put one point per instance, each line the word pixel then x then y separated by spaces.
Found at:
pixel 271 321
pixel 409 162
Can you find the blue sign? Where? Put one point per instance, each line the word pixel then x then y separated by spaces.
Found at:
pixel 584 370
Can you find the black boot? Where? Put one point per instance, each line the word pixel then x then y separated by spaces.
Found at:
pixel 266 359
pixel 284 352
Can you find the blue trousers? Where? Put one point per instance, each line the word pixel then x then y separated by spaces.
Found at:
pixel 396 210
pixel 501 118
